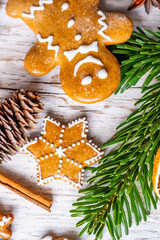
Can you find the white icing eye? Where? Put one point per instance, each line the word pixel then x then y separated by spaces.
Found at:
pixel 78 37
pixel 102 74
pixel 87 80
pixel 71 23
pixel 65 6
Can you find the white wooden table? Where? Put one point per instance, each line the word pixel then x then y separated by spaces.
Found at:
pixel 32 223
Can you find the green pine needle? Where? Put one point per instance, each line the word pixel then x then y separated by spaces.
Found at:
pixel 112 199
pixel 141 54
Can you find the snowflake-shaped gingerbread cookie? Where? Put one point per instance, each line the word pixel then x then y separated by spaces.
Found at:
pixel 74 34
pixel 62 152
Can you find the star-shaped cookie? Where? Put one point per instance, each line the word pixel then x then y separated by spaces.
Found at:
pixel 62 152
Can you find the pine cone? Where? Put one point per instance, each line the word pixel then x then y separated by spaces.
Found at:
pixel 17 115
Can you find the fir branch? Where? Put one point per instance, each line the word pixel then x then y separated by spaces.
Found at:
pixel 112 198
pixel 141 54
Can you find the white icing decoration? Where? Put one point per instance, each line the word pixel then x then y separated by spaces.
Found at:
pixel 96 157
pixel 101 31
pixel 60 151
pixel 4 220
pixel 49 40
pixel 87 80
pixel 71 23
pixel 84 125
pixel 65 6
pixel 78 37
pixel 36 8
pixel 82 49
pixel 102 74
pixel 86 60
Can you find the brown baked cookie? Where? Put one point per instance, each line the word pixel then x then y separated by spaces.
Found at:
pixel 52 238
pixel 63 151
pixel 74 34
pixel 5 221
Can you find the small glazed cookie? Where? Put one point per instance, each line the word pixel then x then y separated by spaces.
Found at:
pixel 62 152
pixel 52 238
pixel 5 221
pixel 74 34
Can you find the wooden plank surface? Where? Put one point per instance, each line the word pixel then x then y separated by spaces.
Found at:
pixel 32 223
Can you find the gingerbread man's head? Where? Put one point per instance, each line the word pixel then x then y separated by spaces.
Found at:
pixel 74 34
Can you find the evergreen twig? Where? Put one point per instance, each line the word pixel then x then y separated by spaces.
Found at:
pixel 112 198
pixel 141 54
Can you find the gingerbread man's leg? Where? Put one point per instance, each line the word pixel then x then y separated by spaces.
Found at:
pixel 40 60
pixel 5 233
pixel 5 221
pixel 119 28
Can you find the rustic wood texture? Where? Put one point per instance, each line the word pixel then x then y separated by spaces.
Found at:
pixel 31 222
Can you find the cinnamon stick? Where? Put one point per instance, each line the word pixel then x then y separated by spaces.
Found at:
pixel 25 192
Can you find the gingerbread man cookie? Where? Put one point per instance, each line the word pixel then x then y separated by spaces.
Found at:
pixel 74 34
pixel 62 152
pixel 52 238
pixel 5 221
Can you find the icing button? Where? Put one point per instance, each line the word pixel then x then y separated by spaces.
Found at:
pixel 78 37
pixel 71 23
pixel 65 6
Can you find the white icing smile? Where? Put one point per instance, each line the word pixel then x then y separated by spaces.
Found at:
pixel 87 60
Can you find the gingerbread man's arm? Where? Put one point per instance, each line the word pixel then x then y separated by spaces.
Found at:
pixel 119 28
pixel 39 60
